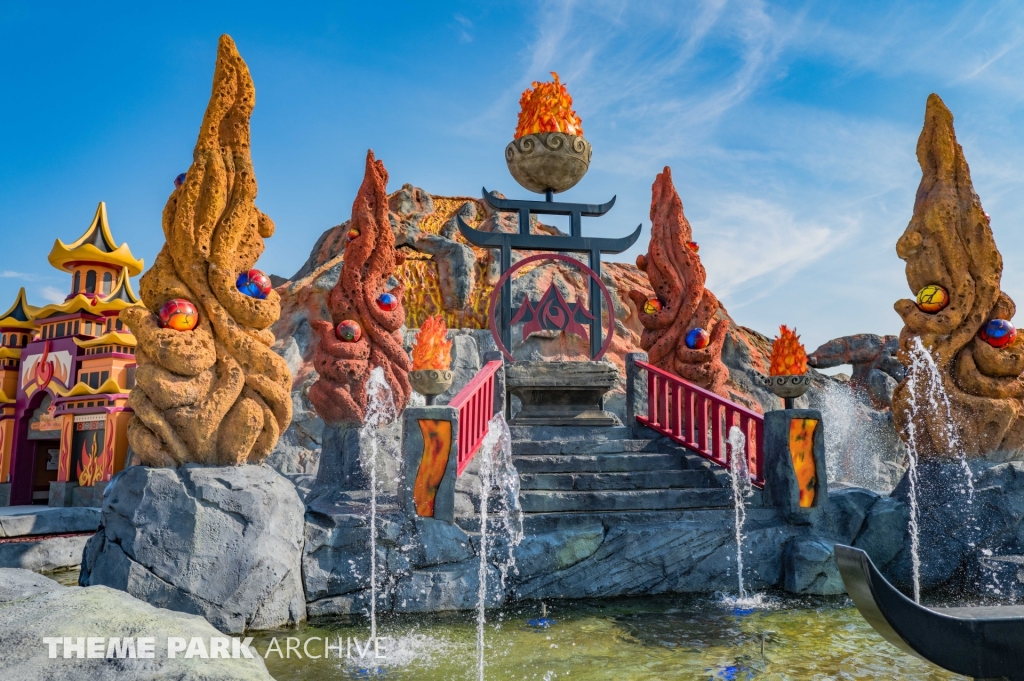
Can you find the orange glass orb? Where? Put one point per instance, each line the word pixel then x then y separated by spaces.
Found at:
pixel 932 298
pixel 179 314
pixel 652 305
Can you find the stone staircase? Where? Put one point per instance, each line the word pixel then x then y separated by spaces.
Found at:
pixel 599 470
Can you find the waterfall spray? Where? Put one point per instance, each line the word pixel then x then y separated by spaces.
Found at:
pixel 380 410
pixel 497 473
pixel 925 388
pixel 741 489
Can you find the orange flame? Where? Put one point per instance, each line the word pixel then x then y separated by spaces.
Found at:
pixel 547 108
pixel 788 355
pixel 432 351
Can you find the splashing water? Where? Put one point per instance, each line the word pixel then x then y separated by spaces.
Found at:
pixel 741 489
pixel 380 410
pixel 496 474
pixel 925 388
pixel 938 400
pixel 855 443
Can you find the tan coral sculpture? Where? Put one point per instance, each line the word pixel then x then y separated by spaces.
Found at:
pixel 216 394
pixel 949 243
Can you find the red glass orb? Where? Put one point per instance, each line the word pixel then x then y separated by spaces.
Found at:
pixel 697 339
pixel 348 331
pixel 652 305
pixel 179 314
pixel 694 246
pixel 998 333
pixel 387 302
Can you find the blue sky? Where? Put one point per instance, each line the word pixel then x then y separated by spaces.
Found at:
pixel 790 127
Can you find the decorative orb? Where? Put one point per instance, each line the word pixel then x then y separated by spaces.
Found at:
pixel 179 314
pixel 998 333
pixel 179 180
pixel 932 298
pixel 348 331
pixel 697 339
pixel 353 234
pixel 254 284
pixel 387 302
pixel 693 246
pixel 652 305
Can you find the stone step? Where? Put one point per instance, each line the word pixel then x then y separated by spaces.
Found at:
pixel 597 463
pixel 530 447
pixel 664 479
pixel 539 433
pixel 541 523
pixel 535 501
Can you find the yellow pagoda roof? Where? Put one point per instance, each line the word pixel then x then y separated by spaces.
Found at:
pixel 4 399
pixel 112 338
pixel 20 315
pixel 96 245
pixel 123 289
pixel 109 387
pixel 10 353
pixel 81 303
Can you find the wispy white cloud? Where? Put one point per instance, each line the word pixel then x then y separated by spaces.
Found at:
pixel 756 245
pixel 464 28
pixel 53 295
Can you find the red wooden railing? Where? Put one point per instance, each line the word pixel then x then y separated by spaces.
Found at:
pixel 475 403
pixel 700 420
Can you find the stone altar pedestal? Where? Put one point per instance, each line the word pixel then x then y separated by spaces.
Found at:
pixel 562 393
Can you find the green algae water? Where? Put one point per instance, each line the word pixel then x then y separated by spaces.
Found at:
pixel 674 637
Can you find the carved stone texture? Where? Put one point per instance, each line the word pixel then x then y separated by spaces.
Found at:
pixel 949 242
pixel 677 277
pixel 546 161
pixel 217 394
pixel 339 395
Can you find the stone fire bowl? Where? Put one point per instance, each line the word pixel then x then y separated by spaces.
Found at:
pixel 548 160
pixel 788 386
pixel 431 381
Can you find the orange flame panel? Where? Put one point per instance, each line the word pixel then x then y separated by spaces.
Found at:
pixel 801 448
pixel 437 445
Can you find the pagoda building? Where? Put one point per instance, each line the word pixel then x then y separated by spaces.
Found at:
pixel 65 417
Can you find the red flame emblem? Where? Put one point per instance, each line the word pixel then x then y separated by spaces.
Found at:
pixel 552 313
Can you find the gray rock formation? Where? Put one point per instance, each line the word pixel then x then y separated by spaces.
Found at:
pixel 222 542
pixel 810 567
pixel 957 530
pixel 44 554
pixel 33 607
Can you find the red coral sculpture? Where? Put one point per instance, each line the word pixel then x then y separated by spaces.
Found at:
pixel 683 304
pixel 344 360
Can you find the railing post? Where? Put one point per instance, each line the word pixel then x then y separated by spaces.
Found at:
pixel 500 395
pixel 430 452
pixel 636 388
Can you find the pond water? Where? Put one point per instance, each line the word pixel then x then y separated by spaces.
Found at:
pixel 672 637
